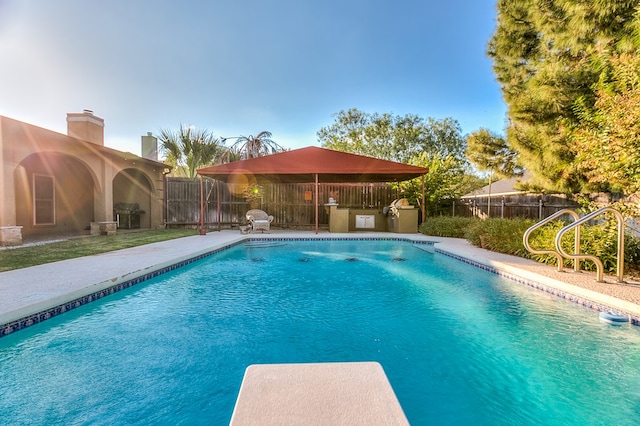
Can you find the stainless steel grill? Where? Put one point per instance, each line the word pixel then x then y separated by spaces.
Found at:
pixel 128 215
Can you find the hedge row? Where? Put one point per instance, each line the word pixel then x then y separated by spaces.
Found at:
pixel 505 236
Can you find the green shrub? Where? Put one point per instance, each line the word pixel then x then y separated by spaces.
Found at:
pixel 602 242
pixel 544 239
pixel 632 253
pixel 446 226
pixel 597 240
pixel 505 236
pixel 500 235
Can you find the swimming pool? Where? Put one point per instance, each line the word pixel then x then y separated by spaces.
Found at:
pixel 459 345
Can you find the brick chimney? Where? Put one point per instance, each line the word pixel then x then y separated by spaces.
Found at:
pixel 150 147
pixel 86 126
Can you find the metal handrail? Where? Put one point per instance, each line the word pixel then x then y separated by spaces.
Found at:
pixel 525 238
pixel 578 255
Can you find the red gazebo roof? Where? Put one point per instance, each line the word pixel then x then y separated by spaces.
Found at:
pixel 302 165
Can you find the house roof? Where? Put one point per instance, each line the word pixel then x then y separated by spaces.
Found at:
pixel 501 187
pixel 53 139
pixel 302 165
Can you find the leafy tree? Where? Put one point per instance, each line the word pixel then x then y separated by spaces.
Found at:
pixel 541 52
pixel 606 139
pixel 491 153
pixel 189 148
pixel 347 134
pixel 246 147
pixel 394 138
pixel 436 144
pixel 447 179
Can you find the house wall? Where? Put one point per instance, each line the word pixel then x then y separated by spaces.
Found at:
pixel 74 197
pixel 130 186
pixel 89 178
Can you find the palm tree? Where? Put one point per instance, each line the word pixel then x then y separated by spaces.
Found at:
pixel 190 148
pixel 254 146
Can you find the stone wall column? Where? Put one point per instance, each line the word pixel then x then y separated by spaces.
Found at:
pixel 10 235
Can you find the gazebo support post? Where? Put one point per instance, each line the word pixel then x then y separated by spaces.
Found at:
pixel 424 207
pixel 316 198
pixel 202 230
pixel 219 203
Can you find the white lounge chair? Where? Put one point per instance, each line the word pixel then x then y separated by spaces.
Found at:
pixel 259 220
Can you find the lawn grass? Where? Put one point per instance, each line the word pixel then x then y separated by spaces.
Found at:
pixel 24 257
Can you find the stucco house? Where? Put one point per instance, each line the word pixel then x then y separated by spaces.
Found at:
pixel 53 183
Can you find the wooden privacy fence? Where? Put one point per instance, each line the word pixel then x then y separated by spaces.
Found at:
pixel 532 206
pixel 292 205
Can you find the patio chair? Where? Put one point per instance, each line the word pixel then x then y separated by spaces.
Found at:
pixel 259 220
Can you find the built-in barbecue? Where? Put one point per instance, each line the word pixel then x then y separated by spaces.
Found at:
pixel 127 215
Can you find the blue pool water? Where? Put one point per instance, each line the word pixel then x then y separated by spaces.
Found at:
pixel 460 345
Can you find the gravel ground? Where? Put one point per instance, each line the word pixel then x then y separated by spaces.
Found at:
pixel 629 290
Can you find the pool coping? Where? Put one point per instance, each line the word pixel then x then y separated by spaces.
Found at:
pixel 590 299
pixel 32 295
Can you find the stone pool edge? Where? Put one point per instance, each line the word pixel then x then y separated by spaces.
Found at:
pixel 588 298
pixel 26 316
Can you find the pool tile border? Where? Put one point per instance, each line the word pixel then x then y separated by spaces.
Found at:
pixel 36 318
pixel 425 242
pixel 634 319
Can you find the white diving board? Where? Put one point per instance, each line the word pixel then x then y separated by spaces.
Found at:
pixel 350 393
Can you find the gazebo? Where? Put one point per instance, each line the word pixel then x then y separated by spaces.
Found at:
pixel 311 165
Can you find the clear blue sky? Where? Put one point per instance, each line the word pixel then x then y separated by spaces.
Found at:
pixel 238 67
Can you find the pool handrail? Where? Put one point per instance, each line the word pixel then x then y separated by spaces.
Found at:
pixel 577 256
pixel 559 256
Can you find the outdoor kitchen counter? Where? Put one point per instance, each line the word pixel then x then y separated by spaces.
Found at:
pixel 371 219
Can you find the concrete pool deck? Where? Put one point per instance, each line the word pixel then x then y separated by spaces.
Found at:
pixel 26 294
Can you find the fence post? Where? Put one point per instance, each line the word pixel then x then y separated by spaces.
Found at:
pixel 540 208
pixel 502 209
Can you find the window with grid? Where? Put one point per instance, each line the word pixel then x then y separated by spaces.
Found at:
pixel 43 200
